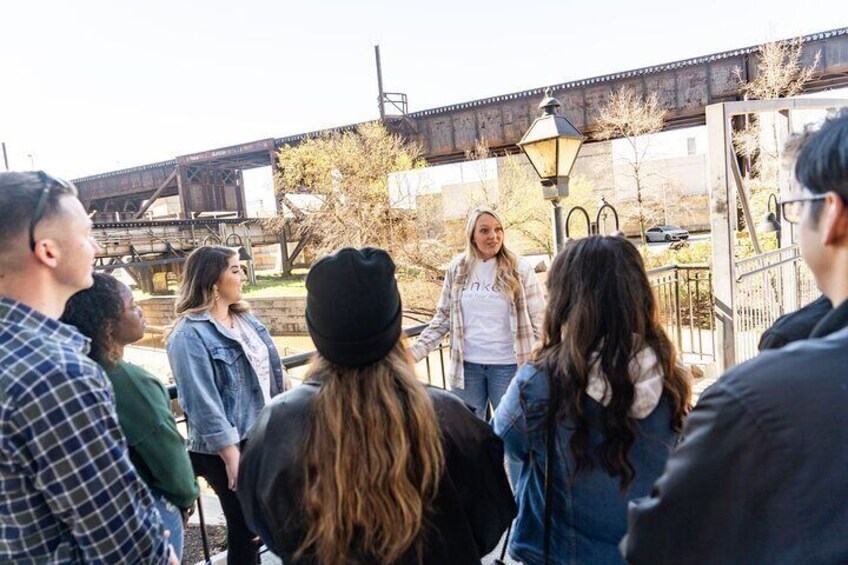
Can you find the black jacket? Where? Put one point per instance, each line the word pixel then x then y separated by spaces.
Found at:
pixel 761 474
pixel 473 507
pixel 796 325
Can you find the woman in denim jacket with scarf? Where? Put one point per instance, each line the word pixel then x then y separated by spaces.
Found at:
pixel 607 376
pixel 226 368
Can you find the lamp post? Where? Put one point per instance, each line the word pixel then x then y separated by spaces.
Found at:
pixel 551 144
pixel 602 214
pixel 771 221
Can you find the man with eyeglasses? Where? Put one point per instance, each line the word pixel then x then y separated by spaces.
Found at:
pixel 799 324
pixel 68 492
pixel 760 475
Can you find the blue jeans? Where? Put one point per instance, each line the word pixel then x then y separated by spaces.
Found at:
pixel 172 520
pixel 485 384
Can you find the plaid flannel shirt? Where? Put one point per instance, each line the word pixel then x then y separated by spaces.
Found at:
pixel 526 317
pixel 68 492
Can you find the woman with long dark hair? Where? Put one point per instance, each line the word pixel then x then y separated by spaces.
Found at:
pixel 227 368
pixel 363 463
pixel 106 313
pixel 605 386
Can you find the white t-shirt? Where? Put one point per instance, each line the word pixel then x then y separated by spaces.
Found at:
pixel 487 332
pixel 256 352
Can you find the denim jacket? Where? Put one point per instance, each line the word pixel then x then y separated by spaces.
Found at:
pixel 218 389
pixel 589 513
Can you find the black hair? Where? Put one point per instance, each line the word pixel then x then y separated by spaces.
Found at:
pixel 95 311
pixel 822 164
pixel 19 196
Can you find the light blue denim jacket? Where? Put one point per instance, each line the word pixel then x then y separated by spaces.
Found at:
pixel 218 389
pixel 589 513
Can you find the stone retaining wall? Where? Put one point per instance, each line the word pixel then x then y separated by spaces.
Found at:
pixel 283 315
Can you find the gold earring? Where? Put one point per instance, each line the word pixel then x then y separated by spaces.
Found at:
pixel 216 294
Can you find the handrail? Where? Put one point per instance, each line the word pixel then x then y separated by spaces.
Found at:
pixel 667 268
pixel 301 359
pixel 768 267
pixel 793 248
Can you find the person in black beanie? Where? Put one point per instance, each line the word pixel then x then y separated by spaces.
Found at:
pixel 367 324
pixel 363 463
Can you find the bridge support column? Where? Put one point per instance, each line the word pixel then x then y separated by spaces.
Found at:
pixel 182 191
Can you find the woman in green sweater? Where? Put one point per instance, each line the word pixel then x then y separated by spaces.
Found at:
pixel 107 315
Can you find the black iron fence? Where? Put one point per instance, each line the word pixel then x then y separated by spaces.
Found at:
pixel 685 300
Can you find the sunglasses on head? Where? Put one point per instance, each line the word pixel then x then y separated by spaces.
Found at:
pixel 49 184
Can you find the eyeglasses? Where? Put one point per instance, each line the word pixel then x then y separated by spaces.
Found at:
pixel 49 184
pixel 792 208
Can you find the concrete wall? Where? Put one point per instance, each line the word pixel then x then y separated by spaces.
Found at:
pixel 281 315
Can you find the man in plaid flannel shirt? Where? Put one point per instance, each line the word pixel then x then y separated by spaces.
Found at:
pixel 68 492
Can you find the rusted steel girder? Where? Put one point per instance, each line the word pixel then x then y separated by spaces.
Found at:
pixel 684 88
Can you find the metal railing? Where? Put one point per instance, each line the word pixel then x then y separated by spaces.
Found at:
pixel 768 286
pixel 684 296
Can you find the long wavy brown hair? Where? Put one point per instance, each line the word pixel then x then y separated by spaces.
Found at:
pixel 600 303
pixel 373 459
pixel 203 268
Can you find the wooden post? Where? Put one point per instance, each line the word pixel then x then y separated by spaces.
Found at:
pixel 722 198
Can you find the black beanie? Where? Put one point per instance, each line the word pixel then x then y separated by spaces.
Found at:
pixel 353 308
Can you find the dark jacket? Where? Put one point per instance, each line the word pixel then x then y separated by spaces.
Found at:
pixel 472 509
pixel 760 475
pixel 795 325
pixel 589 513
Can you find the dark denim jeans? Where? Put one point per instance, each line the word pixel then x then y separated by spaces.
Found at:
pixel 242 548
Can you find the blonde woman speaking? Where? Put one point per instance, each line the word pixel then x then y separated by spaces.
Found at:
pixel 493 308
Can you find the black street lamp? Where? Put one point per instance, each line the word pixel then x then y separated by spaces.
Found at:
pixel 771 221
pixel 551 144
pixel 602 214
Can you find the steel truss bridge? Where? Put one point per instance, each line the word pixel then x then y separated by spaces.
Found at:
pixel 212 180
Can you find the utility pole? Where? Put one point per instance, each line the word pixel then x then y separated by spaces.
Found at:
pixel 5 157
pixel 380 84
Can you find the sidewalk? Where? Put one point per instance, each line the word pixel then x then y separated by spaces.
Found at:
pixel 269 558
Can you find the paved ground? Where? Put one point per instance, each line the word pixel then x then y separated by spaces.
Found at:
pixel 270 559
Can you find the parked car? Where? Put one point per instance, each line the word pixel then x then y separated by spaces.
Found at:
pixel 666 233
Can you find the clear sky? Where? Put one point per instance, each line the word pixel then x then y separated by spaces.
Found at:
pixel 91 86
